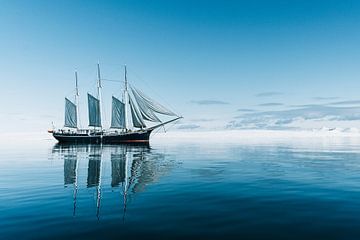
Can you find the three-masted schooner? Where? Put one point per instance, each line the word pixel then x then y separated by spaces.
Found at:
pixel 128 117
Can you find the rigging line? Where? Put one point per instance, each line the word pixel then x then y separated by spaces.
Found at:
pixel 149 86
pixel 70 93
pixel 146 99
pixel 109 71
pixel 85 75
pixel 156 131
pixel 172 124
pixel 118 94
pixel 87 67
pixel 114 72
pixel 113 64
pixel 162 100
pixel 112 80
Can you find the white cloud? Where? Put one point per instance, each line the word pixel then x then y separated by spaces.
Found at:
pixel 268 94
pixel 209 102
pixel 188 126
pixel 296 118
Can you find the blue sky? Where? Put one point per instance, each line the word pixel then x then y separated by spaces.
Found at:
pixel 221 64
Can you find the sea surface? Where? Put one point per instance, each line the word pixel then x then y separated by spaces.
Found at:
pixel 283 189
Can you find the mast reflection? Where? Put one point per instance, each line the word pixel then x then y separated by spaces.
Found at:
pixel 132 168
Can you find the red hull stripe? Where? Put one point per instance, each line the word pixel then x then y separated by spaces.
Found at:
pixel 134 141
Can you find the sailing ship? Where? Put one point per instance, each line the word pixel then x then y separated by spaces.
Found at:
pixel 130 117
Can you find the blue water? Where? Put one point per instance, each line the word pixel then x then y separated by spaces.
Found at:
pixel 274 190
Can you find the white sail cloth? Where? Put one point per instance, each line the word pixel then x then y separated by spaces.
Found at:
pixel 142 108
pixel 146 113
pixel 137 120
pixel 148 106
pixel 94 111
pixel 117 114
pixel 70 114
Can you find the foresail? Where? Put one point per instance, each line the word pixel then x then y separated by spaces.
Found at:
pixel 150 104
pixel 136 117
pixel 145 112
pixel 70 114
pixel 117 114
pixel 94 111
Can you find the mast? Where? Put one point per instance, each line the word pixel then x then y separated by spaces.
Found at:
pixel 126 101
pixel 99 87
pixel 125 79
pixel 77 100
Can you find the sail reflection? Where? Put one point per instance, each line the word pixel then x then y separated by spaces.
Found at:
pixel 118 168
pixel 94 168
pixel 70 164
pixel 132 168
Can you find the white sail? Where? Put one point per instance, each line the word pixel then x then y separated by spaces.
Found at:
pixel 137 120
pixel 151 105
pixel 94 111
pixel 145 112
pixel 117 114
pixel 70 114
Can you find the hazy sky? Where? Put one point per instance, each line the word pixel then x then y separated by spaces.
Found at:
pixel 220 64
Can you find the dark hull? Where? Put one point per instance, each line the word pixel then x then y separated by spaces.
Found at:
pixel 131 137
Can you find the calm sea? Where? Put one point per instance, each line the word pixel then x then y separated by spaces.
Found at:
pixel 291 189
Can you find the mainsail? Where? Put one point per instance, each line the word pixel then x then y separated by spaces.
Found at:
pixel 94 111
pixel 117 114
pixel 70 114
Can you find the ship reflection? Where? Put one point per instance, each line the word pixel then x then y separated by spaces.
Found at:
pixel 132 168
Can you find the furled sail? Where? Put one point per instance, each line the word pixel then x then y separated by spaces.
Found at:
pixel 94 111
pixel 117 114
pixel 70 114
pixel 150 104
pixel 136 117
